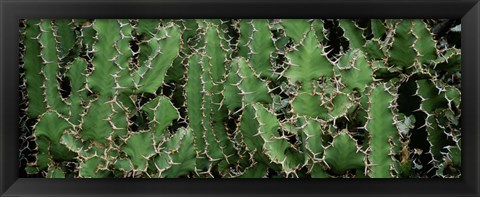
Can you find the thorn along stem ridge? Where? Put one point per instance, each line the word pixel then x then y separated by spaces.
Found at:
pixel 239 98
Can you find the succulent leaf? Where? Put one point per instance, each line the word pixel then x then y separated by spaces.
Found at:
pixel 343 154
pixel 382 132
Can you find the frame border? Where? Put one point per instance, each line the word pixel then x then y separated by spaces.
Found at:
pixel 13 10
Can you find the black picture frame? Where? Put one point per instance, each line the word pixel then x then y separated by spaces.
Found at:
pixel 13 10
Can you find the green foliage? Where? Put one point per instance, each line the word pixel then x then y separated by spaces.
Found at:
pixel 382 132
pixel 343 154
pixel 249 98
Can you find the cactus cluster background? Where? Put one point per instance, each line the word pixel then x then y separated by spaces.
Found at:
pixel 240 98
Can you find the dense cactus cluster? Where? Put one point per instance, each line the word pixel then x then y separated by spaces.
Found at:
pixel 240 98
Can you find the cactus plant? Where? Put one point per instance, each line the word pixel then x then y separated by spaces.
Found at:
pixel 239 98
